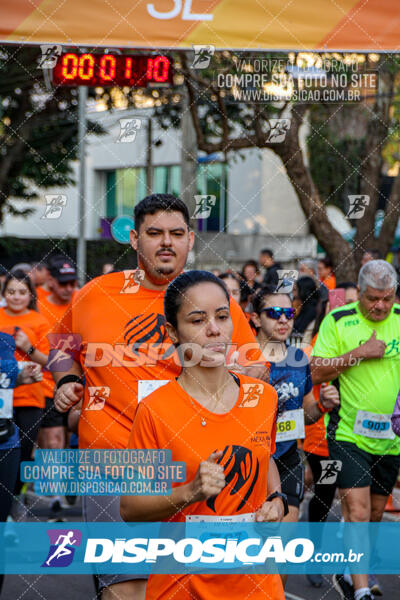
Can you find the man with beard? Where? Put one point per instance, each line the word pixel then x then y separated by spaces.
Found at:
pixel 126 349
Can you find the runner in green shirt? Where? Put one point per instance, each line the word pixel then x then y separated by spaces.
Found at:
pixel 359 345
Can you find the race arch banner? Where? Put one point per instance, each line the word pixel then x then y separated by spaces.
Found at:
pixel 297 25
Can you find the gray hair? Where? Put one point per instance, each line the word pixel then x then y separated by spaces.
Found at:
pixel 309 263
pixel 377 274
pixel 25 267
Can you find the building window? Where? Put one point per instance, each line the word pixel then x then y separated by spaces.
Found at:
pixel 212 179
pixel 167 180
pixel 126 187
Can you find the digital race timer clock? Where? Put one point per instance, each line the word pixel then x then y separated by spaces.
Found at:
pixel 112 70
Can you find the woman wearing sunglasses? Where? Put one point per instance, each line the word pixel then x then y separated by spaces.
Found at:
pixel 290 376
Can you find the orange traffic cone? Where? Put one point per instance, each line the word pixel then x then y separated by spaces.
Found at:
pixel 389 505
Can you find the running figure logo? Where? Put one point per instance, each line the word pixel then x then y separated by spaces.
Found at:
pixel 62 348
pixel 286 280
pixel 97 397
pixel 54 206
pixel 128 130
pixel 251 394
pixel 357 206
pixel 330 471
pixel 204 204
pixel 50 54
pixel 133 278
pixel 202 56
pixel 278 129
pixel 62 547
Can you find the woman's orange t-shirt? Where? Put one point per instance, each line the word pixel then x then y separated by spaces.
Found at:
pixel 169 418
pixel 330 282
pixel 36 327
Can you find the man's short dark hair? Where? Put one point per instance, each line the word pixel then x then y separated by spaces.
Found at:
pixel 347 285
pixel 259 297
pixel 267 251
pixel 159 202
pixel 375 253
pixel 326 261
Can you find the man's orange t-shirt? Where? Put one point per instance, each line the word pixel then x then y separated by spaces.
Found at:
pixel 41 292
pixel 36 327
pixel 54 314
pixel 123 341
pixel 315 441
pixel 171 419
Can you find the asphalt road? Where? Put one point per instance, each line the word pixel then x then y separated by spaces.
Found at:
pixel 81 587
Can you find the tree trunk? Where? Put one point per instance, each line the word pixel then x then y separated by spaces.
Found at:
pixel 371 168
pixel 391 218
pixel 314 210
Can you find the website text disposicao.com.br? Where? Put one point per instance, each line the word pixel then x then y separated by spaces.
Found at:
pixel 213 551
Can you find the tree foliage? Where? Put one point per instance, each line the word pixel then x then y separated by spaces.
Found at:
pixel 339 163
pixel 38 129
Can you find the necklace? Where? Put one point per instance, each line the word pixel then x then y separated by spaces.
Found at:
pixel 203 419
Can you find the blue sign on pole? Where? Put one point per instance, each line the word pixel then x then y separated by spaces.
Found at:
pixel 120 228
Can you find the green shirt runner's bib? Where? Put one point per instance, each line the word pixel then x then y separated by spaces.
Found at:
pixel 368 390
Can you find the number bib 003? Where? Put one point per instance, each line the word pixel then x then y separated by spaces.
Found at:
pixel 290 425
pixel 373 425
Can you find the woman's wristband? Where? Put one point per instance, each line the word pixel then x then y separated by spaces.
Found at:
pixel 69 379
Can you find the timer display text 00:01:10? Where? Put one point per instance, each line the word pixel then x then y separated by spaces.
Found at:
pixel 109 70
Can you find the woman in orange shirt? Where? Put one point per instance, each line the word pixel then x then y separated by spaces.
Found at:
pixel 326 274
pixel 20 319
pixel 226 438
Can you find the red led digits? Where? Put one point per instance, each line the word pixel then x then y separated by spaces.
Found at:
pixel 69 66
pixel 161 69
pixel 86 66
pixel 107 67
pixel 149 71
pixel 128 68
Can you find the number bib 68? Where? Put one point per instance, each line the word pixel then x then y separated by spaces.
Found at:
pixel 290 425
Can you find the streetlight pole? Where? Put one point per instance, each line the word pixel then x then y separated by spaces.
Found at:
pixel 81 246
pixel 149 159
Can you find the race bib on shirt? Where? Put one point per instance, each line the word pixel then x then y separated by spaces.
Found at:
pixel 244 518
pixel 290 425
pixel 147 386
pixel 6 404
pixel 373 425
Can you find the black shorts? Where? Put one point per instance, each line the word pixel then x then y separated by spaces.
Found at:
pixel 51 416
pixel 291 471
pixel 362 469
pixel 105 509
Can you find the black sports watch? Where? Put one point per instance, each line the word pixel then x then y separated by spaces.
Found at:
pixel 31 350
pixel 283 497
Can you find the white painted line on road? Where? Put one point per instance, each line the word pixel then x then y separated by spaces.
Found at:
pixel 290 596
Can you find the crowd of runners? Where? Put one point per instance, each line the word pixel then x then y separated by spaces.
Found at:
pixel 259 381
